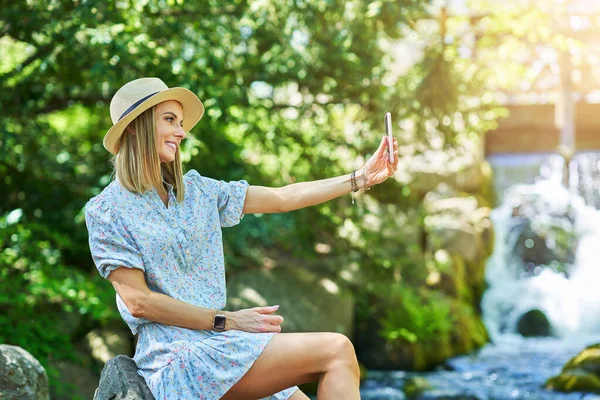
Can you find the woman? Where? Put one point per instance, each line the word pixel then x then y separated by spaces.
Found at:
pixel 156 235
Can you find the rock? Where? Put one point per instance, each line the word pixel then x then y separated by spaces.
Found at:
pixel 536 247
pixel 414 386
pixel 308 303
pixel 580 374
pixel 458 228
pixel 534 323
pixel 22 377
pixel 545 233
pixel 120 381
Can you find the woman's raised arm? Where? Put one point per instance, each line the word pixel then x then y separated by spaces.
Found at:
pixel 261 199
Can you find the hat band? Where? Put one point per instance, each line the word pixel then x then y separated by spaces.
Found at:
pixel 134 105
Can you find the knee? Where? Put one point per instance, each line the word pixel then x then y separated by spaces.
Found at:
pixel 343 352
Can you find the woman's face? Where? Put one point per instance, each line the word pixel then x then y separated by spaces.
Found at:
pixel 168 117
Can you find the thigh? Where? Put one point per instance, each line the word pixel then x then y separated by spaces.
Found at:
pixel 289 359
pixel 299 395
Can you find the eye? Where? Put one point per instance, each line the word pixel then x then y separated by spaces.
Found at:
pixel 170 119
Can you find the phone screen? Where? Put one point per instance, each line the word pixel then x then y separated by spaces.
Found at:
pixel 388 130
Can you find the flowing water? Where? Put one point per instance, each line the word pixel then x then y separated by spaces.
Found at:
pixel 514 367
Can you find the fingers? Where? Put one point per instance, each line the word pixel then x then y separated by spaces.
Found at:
pixel 394 165
pixel 390 169
pixel 275 320
pixel 382 146
pixel 267 310
pixel 272 323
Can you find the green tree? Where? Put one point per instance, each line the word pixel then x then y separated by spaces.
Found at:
pixel 294 91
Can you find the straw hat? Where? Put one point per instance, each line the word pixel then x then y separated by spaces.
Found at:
pixel 137 96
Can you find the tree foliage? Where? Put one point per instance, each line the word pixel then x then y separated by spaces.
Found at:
pixel 293 90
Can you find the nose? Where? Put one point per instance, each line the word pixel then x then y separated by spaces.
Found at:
pixel 180 133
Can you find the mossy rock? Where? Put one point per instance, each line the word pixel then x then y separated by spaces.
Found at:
pixel 574 382
pixel 452 281
pixel 470 333
pixel 580 374
pixel 415 386
pixel 588 360
pixel 534 323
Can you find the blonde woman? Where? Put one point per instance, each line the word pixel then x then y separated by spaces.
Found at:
pixel 156 235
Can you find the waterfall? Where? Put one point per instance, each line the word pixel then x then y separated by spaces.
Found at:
pixel 547 245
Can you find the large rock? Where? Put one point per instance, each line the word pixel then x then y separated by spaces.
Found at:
pixel 22 377
pixel 580 374
pixel 120 381
pixel 534 323
pixel 308 302
pixel 545 233
pixel 459 236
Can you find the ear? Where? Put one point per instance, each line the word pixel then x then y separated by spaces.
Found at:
pixel 131 129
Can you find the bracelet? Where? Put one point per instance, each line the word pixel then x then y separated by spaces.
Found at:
pixel 365 179
pixel 353 185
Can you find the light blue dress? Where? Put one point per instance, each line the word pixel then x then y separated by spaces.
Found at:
pixel 180 250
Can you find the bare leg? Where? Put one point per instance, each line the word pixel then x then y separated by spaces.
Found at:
pixel 299 395
pixel 294 358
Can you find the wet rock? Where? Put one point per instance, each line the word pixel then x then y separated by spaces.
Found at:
pixel 545 236
pixel 580 374
pixel 22 377
pixel 120 381
pixel 534 323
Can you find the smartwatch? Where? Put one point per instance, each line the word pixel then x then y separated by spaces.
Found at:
pixel 219 322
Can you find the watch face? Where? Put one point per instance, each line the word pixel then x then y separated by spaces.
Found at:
pixel 220 322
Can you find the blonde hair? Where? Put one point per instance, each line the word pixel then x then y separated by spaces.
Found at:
pixel 137 164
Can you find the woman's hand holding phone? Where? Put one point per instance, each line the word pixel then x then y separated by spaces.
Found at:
pixel 384 162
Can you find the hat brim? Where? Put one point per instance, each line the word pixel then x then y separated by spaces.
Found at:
pixel 193 110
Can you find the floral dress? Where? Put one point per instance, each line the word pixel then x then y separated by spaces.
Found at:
pixel 180 250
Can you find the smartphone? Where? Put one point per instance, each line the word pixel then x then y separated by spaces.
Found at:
pixel 388 130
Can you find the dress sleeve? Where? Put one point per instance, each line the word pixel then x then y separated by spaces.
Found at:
pixel 230 197
pixel 111 244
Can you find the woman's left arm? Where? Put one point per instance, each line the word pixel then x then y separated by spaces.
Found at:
pixel 261 199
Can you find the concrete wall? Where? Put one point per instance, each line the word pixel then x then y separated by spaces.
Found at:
pixel 531 129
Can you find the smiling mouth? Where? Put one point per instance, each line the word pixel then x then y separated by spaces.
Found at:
pixel 172 145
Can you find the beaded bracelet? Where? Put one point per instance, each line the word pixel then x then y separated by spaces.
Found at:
pixel 353 185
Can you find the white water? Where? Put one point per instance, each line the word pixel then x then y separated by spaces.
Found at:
pixel 571 304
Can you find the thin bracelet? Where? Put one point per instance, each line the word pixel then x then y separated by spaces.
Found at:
pixel 352 186
pixel 365 179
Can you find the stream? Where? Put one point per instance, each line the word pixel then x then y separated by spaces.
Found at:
pixel 530 196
